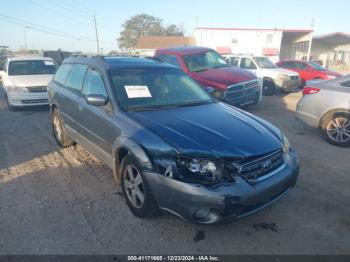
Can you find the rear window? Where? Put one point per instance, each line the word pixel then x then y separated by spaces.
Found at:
pixel 62 73
pixel 317 66
pixel 32 67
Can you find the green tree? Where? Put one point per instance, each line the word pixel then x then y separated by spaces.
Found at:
pixel 145 25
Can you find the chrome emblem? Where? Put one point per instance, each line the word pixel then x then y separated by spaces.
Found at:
pixel 267 165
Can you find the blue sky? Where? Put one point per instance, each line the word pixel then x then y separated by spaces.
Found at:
pixel 74 17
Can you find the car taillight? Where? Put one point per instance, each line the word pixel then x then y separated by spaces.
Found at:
pixel 310 90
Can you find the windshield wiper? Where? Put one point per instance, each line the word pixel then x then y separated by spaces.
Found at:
pixel 149 108
pixel 193 103
pixel 156 108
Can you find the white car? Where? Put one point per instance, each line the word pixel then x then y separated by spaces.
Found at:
pixel 25 80
pixel 271 77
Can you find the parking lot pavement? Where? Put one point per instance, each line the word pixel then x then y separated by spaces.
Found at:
pixel 64 201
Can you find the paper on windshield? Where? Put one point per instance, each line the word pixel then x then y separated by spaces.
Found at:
pixel 49 63
pixel 137 91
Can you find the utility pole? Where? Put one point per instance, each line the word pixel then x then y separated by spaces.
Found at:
pixel 310 40
pixel 196 21
pixel 97 42
pixel 25 38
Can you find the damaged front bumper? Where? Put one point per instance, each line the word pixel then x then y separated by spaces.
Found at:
pixel 288 84
pixel 225 202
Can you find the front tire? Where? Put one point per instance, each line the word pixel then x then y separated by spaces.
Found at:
pixel 336 129
pixel 269 88
pixel 138 195
pixel 9 106
pixel 59 131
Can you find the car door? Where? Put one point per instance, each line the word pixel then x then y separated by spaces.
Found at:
pixel 346 84
pixel 70 79
pixel 303 71
pixel 96 120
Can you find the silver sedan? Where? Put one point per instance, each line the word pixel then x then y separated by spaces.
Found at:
pixel 326 105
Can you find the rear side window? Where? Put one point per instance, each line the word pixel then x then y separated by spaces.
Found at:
pixel 287 64
pixel 62 73
pixel 301 66
pixel 247 63
pixel 233 61
pixel 76 77
pixel 94 84
pixel 170 59
pixel 295 65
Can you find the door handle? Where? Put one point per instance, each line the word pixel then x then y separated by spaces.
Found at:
pixel 80 108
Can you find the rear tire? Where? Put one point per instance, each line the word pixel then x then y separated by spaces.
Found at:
pixel 59 131
pixel 336 129
pixel 138 195
pixel 269 88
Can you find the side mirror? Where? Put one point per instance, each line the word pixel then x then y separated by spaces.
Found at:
pixel 210 90
pixel 96 100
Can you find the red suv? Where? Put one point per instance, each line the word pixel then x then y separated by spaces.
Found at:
pixel 231 85
pixel 308 70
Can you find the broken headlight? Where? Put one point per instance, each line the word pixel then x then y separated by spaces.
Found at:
pixel 201 170
pixel 204 171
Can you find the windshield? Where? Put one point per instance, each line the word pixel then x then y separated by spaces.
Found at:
pixel 317 66
pixel 264 62
pixel 203 61
pixel 155 89
pixel 32 67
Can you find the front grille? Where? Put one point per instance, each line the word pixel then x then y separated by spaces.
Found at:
pixel 242 90
pixel 37 89
pixel 261 168
pixel 35 101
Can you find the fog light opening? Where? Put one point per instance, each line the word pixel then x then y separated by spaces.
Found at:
pixel 202 212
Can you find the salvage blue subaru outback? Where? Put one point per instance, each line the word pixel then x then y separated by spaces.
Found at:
pixel 171 146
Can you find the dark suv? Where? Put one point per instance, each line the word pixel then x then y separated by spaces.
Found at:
pixel 170 144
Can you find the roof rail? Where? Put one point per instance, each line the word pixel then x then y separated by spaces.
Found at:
pixel 88 56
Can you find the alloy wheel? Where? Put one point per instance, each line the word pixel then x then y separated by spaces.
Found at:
pixel 57 127
pixel 134 187
pixel 338 129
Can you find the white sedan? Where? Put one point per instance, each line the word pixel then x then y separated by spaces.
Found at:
pixel 25 80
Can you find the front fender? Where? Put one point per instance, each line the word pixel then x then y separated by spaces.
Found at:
pixel 125 143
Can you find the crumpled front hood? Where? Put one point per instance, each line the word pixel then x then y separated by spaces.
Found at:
pixel 215 130
pixel 224 75
pixel 30 80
